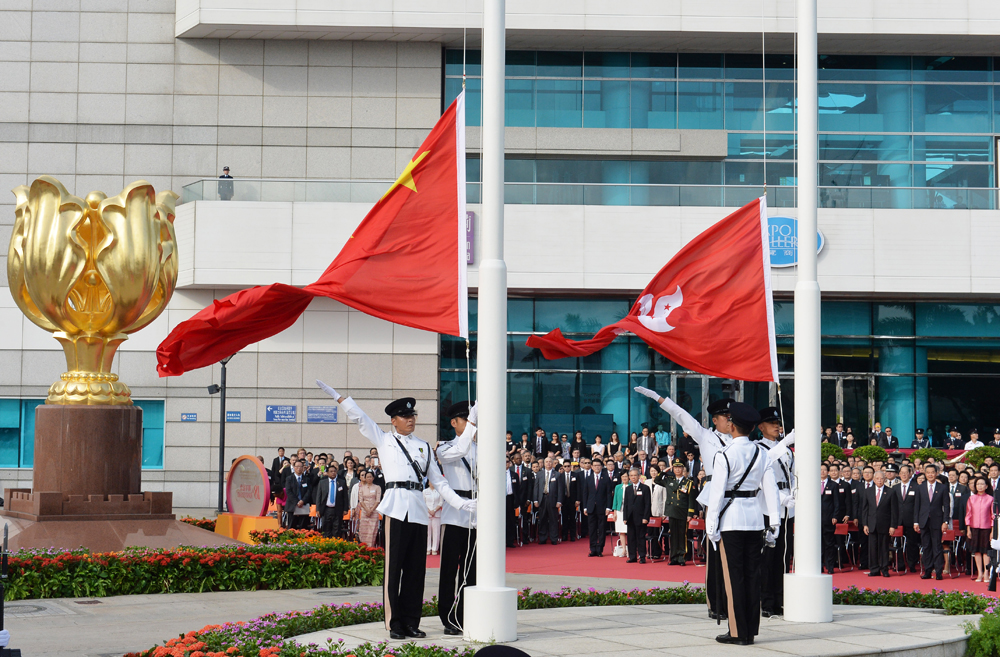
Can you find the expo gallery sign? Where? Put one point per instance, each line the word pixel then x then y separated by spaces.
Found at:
pixel 783 239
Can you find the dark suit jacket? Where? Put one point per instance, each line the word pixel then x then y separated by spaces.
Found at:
pixel 961 500
pixel 275 466
pixel 885 442
pixel 322 494
pixel 637 508
pixel 931 511
pixel 845 501
pixel 295 491
pixel 904 505
pixel 556 492
pixel 571 493
pixel 697 468
pixel 885 516
pixel 596 499
pixel 542 450
pixel 523 487
pixel 837 438
pixel 643 466
pixel 829 504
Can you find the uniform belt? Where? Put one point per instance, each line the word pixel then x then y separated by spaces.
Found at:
pixel 708 478
pixel 405 485
pixel 741 493
pixel 467 494
pixel 782 485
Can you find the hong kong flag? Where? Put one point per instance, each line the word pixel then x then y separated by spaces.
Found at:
pixel 405 263
pixel 709 309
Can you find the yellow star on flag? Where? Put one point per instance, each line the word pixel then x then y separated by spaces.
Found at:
pixel 406 178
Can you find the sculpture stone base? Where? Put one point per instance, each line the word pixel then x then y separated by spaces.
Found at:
pixel 110 535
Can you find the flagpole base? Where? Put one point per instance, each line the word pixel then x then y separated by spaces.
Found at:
pixel 490 614
pixel 808 598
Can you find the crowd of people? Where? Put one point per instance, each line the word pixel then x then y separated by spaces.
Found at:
pixel 886 439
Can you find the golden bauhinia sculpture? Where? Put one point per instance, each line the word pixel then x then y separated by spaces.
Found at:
pixel 91 272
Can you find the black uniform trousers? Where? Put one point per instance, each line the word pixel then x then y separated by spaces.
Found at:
pixel 678 540
pixel 405 566
pixel 829 547
pixel 912 543
pixel 740 555
pixel 511 521
pixel 568 513
pixel 774 563
pixel 548 521
pixel 297 520
pixel 331 522
pixel 458 570
pixel 636 538
pixel 930 540
pixel 715 591
pixel 878 551
pixel 598 527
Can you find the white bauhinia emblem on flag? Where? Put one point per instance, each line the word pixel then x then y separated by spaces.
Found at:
pixel 654 316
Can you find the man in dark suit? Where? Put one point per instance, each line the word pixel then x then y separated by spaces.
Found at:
pixel 889 442
pixel 829 516
pixel 525 480
pixel 636 507
pixel 866 482
pixel 548 497
pixel 958 499
pixel 513 488
pixel 332 498
pixel 844 499
pixel 276 463
pixel 692 465
pixel 539 444
pixel 642 462
pixel 877 434
pixel 597 493
pixel 570 499
pixel 298 495
pixel 931 508
pixel 879 516
pixel 905 495
pixel 839 437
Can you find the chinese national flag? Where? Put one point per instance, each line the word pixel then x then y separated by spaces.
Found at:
pixel 709 309
pixel 405 263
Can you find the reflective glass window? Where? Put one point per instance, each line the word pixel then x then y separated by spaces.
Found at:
pixel 951 69
pixel 864 174
pixel 606 104
pixel 654 104
pixel 559 103
pixel 10 432
pixel 958 320
pixel 519 103
pixel 520 63
pixel 951 108
pixel 152 433
pixel 473 169
pixel 943 174
pixel 699 66
pixel 577 315
pixel 700 105
pixel 569 171
pixel 846 318
pixel 864 147
pixel 552 64
pixel 743 106
pixel 892 319
pixel 473 97
pixel 864 108
pixel 952 148
pixel 751 146
pixel 522 357
pixel 28 407
pixel 864 67
pixel 606 64
pixel 679 173
pixel 654 65
pixel 519 170
pixel 520 314
pixel 748 67
pixel 473 62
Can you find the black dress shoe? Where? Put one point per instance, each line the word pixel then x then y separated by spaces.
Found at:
pixel 874 573
pixel 725 638
pixel 592 554
pixel 643 560
pixel 393 634
pixel 885 574
pixel 765 614
pixel 913 569
pixel 414 632
pixel 926 575
pixel 452 631
pixel 630 561
pixel 939 577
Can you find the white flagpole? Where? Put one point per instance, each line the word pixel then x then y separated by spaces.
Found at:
pixel 808 593
pixel 491 607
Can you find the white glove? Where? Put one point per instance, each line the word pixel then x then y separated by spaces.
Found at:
pixel 4 638
pixel 712 532
pixel 772 534
pixel 646 392
pixel 790 504
pixel 469 505
pixel 474 413
pixel 327 389
pixel 789 440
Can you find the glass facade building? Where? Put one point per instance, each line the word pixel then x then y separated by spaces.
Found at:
pixel 904 364
pixel 895 131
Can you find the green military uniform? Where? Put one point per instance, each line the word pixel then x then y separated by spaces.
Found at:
pixel 679 507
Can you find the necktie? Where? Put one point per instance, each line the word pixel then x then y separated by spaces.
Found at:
pixel 546 491
pixel 822 486
pixel 878 496
pixel 597 482
pixel 331 500
pixel 930 491
pixel 567 484
pixel 952 499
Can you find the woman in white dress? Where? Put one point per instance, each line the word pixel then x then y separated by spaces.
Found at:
pixel 597 449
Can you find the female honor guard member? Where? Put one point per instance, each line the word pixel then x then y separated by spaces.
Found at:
pixel 458 533
pixel 776 559
pixel 710 442
pixel 735 520
pixel 405 460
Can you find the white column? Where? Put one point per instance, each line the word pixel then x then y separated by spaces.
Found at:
pixel 491 607
pixel 808 594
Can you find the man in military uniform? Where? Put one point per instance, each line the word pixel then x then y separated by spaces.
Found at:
pixel 458 532
pixel 678 508
pixel 406 460
pixel 710 442
pixel 734 520
pixel 776 560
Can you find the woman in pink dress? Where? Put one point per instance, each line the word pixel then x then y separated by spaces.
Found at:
pixel 369 495
pixel 979 523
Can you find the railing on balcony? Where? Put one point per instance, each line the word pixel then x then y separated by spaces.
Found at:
pixel 530 193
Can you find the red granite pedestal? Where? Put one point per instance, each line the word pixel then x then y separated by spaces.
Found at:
pixel 86 487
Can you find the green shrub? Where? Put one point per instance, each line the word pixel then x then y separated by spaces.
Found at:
pixel 829 449
pixel 927 453
pixel 869 453
pixel 984 638
pixel 979 454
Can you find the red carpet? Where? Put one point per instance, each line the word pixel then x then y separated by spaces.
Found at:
pixel 571 559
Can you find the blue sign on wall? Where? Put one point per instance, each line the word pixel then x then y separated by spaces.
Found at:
pixel 189 417
pixel 783 235
pixel 279 413
pixel 321 413
pixel 233 416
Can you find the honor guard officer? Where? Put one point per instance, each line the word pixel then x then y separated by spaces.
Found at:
pixel 406 460
pixel 710 442
pixel 776 559
pixel 679 506
pixel 458 533
pixel 735 521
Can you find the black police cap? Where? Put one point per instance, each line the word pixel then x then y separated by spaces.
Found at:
pixel 920 432
pixel 744 414
pixel 678 463
pixel 770 414
pixel 461 409
pixel 405 407
pixel 720 406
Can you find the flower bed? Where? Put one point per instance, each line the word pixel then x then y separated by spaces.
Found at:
pixel 204 523
pixel 269 536
pixel 77 573
pixel 265 636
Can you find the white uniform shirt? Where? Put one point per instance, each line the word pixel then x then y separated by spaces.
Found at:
pixel 710 442
pixel 401 503
pixel 783 467
pixel 459 477
pixel 745 513
pixel 973 444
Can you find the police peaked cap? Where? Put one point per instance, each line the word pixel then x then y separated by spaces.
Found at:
pixel 720 406
pixel 405 407
pixel 770 414
pixel 744 414
pixel 920 432
pixel 678 463
pixel 461 409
